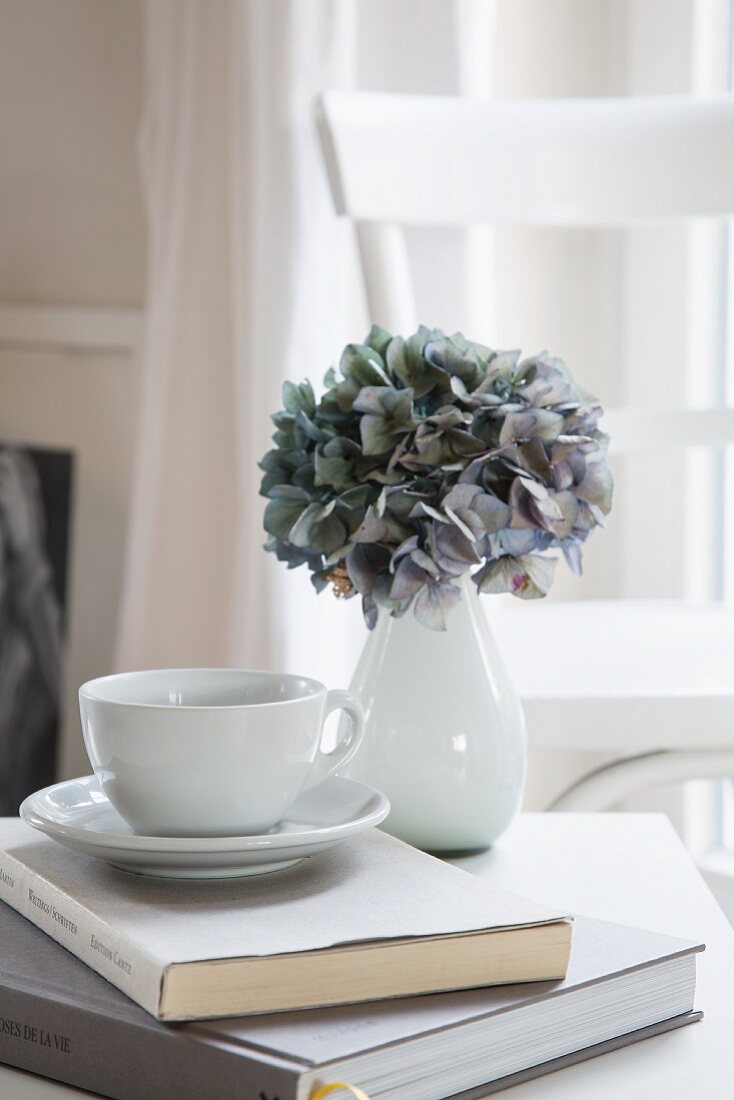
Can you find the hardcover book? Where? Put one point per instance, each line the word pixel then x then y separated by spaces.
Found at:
pixel 371 919
pixel 60 1019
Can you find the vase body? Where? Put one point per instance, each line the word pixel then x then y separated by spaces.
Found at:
pixel 445 733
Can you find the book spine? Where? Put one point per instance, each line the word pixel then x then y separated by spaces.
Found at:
pixel 81 932
pixel 126 1060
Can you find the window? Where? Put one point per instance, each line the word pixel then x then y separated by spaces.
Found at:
pixel 710 552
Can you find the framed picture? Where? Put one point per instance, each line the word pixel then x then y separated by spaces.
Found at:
pixel 35 504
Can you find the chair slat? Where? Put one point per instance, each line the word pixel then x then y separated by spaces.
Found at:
pixel 642 431
pixel 572 162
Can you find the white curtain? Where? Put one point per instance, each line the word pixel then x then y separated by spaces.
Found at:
pixel 245 266
pixel 252 280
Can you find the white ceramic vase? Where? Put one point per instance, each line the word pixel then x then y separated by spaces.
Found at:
pixel 445 733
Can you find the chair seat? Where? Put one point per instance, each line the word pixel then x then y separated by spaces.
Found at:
pixel 624 675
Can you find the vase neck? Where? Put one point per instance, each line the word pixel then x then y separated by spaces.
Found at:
pixel 463 616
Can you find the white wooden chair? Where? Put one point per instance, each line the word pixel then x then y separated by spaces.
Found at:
pixel 652 682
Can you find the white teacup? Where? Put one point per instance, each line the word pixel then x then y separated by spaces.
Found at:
pixel 211 752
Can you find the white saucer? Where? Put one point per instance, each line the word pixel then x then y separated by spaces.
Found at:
pixel 79 815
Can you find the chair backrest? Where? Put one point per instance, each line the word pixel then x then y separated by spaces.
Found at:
pixel 396 160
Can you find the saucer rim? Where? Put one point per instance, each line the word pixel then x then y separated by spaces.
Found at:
pixel 210 844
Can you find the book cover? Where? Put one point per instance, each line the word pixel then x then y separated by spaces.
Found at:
pixel 369 919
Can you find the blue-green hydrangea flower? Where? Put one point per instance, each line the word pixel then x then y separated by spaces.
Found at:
pixel 429 457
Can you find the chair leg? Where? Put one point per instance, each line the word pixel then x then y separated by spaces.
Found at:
pixel 612 782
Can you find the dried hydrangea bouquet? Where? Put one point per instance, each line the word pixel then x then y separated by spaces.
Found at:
pixel 434 468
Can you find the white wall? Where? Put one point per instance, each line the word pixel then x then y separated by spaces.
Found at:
pixel 72 236
pixel 72 229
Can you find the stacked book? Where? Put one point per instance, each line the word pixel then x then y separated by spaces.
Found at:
pixel 373 964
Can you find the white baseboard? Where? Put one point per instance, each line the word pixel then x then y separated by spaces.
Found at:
pixel 71 327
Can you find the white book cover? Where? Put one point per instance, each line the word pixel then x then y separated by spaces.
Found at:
pixel 131 928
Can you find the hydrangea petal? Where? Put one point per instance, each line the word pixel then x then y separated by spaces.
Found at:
pixel 434 603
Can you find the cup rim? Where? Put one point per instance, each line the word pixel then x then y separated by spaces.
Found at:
pixel 90 688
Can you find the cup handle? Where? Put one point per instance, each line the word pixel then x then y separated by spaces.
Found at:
pixel 326 763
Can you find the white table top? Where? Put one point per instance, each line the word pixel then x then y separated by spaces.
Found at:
pixel 629 868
